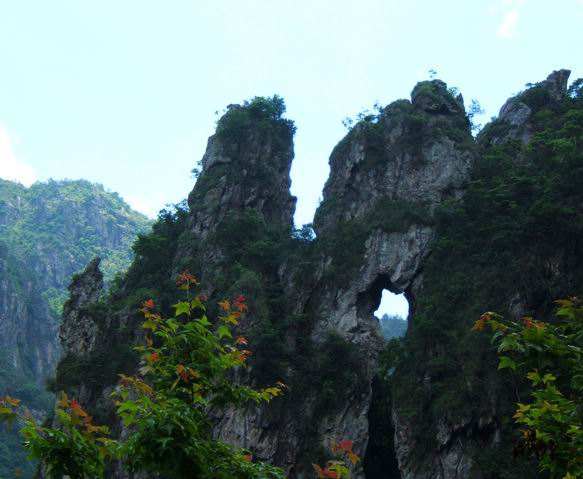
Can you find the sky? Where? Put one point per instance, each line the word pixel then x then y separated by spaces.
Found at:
pixel 125 93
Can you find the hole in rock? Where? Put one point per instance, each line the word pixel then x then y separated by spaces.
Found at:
pixel 392 314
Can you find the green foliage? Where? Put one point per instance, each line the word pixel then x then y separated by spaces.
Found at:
pixel 187 365
pixel 332 369
pixel 259 112
pixel 536 97
pixel 515 236
pixel 154 251
pixel 76 448
pixel 95 371
pixel 59 217
pixel 55 298
pixel 550 355
pixel 188 362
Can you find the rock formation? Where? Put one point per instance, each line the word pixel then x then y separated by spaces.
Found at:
pixel 394 180
pixel 78 330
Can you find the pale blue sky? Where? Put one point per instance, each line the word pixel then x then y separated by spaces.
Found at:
pixel 124 92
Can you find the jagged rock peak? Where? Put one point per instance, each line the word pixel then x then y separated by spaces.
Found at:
pixel 417 151
pixel 78 329
pixel 246 165
pixel 556 83
pixel 433 96
pixel 513 122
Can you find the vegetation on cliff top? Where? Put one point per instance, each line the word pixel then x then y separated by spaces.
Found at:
pixel 513 242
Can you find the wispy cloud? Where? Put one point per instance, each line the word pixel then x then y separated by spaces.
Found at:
pixel 11 168
pixel 147 206
pixel 508 27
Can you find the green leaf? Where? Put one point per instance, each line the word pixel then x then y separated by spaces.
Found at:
pixel 224 332
pixel 197 303
pixel 182 308
pixel 506 362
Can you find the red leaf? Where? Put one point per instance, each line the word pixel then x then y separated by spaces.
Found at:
pixel 149 304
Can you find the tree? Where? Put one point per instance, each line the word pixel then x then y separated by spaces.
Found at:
pixel 474 109
pixel 550 356
pixel 187 369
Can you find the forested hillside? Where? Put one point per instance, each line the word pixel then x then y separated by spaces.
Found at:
pixel 48 232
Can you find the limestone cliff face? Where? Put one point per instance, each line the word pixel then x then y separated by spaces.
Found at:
pixel 458 438
pixel 377 165
pixel 390 176
pixel 311 317
pixel 49 232
pixel 387 177
pixel 28 331
pixel 78 330
pixel 246 169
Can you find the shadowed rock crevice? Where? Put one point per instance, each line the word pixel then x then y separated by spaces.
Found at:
pixel 380 460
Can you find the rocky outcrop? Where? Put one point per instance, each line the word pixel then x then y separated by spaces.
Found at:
pixel 78 328
pixel 387 177
pixel 312 302
pixel 28 331
pixel 250 171
pixel 514 119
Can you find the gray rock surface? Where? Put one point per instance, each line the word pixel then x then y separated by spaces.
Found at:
pixel 387 177
pixel 78 331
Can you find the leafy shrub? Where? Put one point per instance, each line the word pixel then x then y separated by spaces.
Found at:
pixel 259 112
pixel 551 357
pixel 187 366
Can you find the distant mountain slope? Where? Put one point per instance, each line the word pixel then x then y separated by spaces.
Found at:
pixel 48 232
pixel 393 326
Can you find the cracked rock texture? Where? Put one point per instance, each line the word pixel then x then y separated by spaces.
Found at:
pixel 374 228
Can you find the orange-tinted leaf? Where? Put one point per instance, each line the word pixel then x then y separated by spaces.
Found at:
pixel 63 401
pixel 154 357
pixel 77 409
pixel 149 304
pixel 10 401
pixel 353 457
